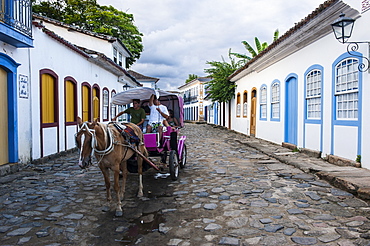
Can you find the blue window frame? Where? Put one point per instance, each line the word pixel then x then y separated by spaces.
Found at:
pixel 347 94
pixel 346 89
pixel 263 102
pixel 313 94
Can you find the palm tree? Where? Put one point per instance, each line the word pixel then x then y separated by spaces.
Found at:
pixel 259 48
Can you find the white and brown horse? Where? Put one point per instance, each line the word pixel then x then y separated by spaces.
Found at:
pixel 112 150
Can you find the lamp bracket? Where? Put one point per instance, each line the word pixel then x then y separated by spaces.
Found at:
pixel 353 47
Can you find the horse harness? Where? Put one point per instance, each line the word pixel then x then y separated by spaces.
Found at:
pixel 130 138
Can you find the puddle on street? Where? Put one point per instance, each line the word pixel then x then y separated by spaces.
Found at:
pixel 142 227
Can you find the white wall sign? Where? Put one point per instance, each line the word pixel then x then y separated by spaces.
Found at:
pixel 23 86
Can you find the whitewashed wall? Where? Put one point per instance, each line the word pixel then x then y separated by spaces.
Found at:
pixel 318 137
pixel 51 54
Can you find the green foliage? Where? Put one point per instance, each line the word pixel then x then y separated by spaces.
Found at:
pixel 219 88
pixel 276 35
pixel 358 158
pixel 259 48
pixel 191 78
pixel 90 16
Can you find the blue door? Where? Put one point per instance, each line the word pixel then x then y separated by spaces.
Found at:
pixel 291 111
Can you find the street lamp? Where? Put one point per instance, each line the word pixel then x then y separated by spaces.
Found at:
pixel 342 28
pixel 126 87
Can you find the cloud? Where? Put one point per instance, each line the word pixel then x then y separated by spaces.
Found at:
pixel 180 36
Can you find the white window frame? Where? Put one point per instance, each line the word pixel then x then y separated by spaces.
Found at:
pixel 115 53
pixel 105 104
pixel 113 106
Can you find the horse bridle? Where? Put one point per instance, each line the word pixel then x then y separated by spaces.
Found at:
pixel 94 142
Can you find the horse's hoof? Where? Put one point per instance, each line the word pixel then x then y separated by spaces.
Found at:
pixel 105 209
pixel 119 213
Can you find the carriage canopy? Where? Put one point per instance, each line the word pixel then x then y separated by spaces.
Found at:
pixel 169 99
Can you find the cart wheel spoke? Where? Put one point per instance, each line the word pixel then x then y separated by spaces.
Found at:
pixel 182 158
pixel 173 165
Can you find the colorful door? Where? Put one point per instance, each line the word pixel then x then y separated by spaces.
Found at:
pixel 4 155
pixel 253 112
pixel 85 103
pixel 291 111
pixel 96 103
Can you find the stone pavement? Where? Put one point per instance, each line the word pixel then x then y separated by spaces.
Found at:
pixel 234 190
pixel 351 179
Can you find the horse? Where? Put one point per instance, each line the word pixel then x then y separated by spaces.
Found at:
pixel 112 150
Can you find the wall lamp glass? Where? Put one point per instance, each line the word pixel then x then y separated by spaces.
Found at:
pixel 342 28
pixel 126 87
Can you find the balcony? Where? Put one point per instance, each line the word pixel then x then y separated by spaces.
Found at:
pixel 16 23
pixel 190 99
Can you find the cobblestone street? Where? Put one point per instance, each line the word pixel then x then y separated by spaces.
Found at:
pixel 228 194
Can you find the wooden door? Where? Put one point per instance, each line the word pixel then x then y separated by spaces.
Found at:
pixel 85 103
pixel 253 113
pixel 96 103
pixel 4 155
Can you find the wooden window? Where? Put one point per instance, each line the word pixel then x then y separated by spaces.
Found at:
pixel 48 102
pixel 120 59
pixel 113 106
pixel 86 103
pixel 96 102
pixel 105 104
pixel 115 55
pixel 70 101
pixel 245 104
pixel 238 106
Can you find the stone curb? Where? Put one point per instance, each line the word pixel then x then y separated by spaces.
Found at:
pixel 354 180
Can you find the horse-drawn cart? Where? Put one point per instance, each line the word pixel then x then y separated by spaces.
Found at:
pixel 123 148
pixel 171 147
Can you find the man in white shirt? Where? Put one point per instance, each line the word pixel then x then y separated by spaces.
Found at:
pixel 158 113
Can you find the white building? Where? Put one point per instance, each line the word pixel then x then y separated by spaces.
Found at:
pixel 194 95
pixel 306 89
pixel 64 73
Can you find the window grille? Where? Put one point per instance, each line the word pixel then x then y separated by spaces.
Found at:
pixel 263 103
pixel 105 104
pixel 313 94
pixel 245 104
pixel 275 100
pixel 346 89
pixel 114 107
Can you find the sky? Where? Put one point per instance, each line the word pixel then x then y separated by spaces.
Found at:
pixel 180 36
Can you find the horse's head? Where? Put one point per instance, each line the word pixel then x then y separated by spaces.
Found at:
pixel 85 142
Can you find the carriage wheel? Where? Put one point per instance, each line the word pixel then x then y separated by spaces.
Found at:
pixel 182 161
pixel 173 164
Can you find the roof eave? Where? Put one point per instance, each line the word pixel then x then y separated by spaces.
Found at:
pixel 309 30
